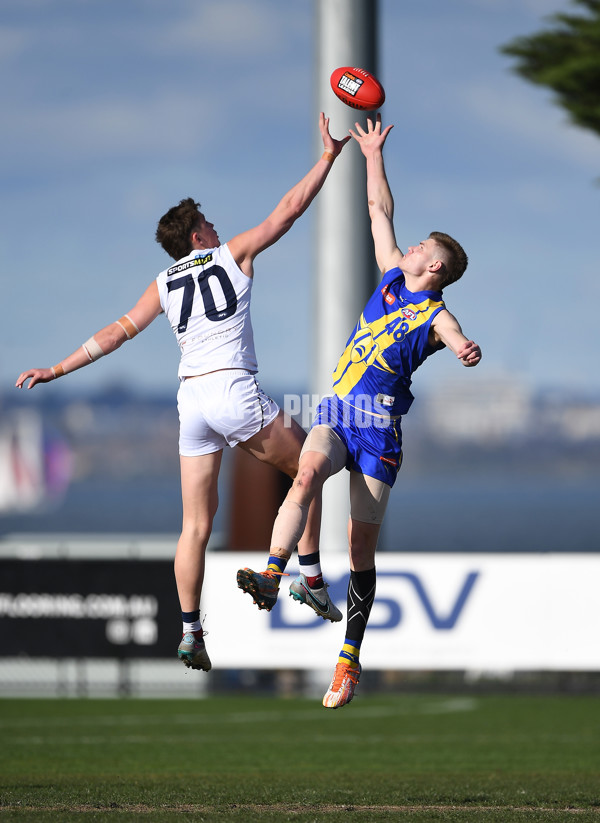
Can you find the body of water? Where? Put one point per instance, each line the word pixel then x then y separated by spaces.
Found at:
pixel 481 515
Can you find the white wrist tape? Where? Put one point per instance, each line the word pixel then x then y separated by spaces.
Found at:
pixel 93 349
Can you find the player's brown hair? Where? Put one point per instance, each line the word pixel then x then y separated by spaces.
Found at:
pixel 174 230
pixel 457 260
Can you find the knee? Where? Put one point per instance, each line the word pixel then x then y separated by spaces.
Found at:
pixel 309 479
pixel 198 530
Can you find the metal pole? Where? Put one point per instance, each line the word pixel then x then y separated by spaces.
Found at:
pixel 344 260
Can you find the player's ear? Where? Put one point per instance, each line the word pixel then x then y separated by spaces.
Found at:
pixel 194 235
pixel 438 267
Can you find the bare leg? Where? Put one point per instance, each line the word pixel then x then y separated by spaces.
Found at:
pixel 199 476
pixel 299 519
pixel 362 542
pixel 279 444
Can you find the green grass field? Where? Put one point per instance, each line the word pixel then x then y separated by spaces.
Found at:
pixel 403 757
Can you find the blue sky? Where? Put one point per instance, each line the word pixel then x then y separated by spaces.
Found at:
pixel 113 111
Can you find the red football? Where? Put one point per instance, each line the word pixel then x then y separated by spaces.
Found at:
pixel 357 88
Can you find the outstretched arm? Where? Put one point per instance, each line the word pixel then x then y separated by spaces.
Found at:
pixel 105 341
pixel 244 247
pixel 445 329
pixel 379 195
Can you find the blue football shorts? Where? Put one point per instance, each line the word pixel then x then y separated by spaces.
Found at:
pixel 374 444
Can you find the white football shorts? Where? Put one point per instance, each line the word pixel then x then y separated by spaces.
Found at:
pixel 221 409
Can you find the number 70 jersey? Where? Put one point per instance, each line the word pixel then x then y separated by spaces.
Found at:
pixel 206 298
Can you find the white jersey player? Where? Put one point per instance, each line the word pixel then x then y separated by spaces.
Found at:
pixel 206 298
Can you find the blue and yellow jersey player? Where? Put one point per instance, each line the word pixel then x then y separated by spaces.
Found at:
pixel 371 383
pixel 357 427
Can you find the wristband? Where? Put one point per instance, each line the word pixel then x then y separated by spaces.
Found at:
pixel 93 349
pixel 329 156
pixel 58 370
pixel 128 326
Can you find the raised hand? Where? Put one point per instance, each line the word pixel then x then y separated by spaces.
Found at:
pixel 330 143
pixel 372 139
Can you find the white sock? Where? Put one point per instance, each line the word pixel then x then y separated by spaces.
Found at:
pixel 196 626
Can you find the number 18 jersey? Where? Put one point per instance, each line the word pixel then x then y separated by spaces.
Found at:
pixel 389 342
pixel 206 298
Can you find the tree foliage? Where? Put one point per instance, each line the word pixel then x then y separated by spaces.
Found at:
pixel 566 59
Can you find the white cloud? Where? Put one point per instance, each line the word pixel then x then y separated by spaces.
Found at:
pixel 61 132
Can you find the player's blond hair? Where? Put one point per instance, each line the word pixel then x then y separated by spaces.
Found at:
pixel 174 230
pixel 456 258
